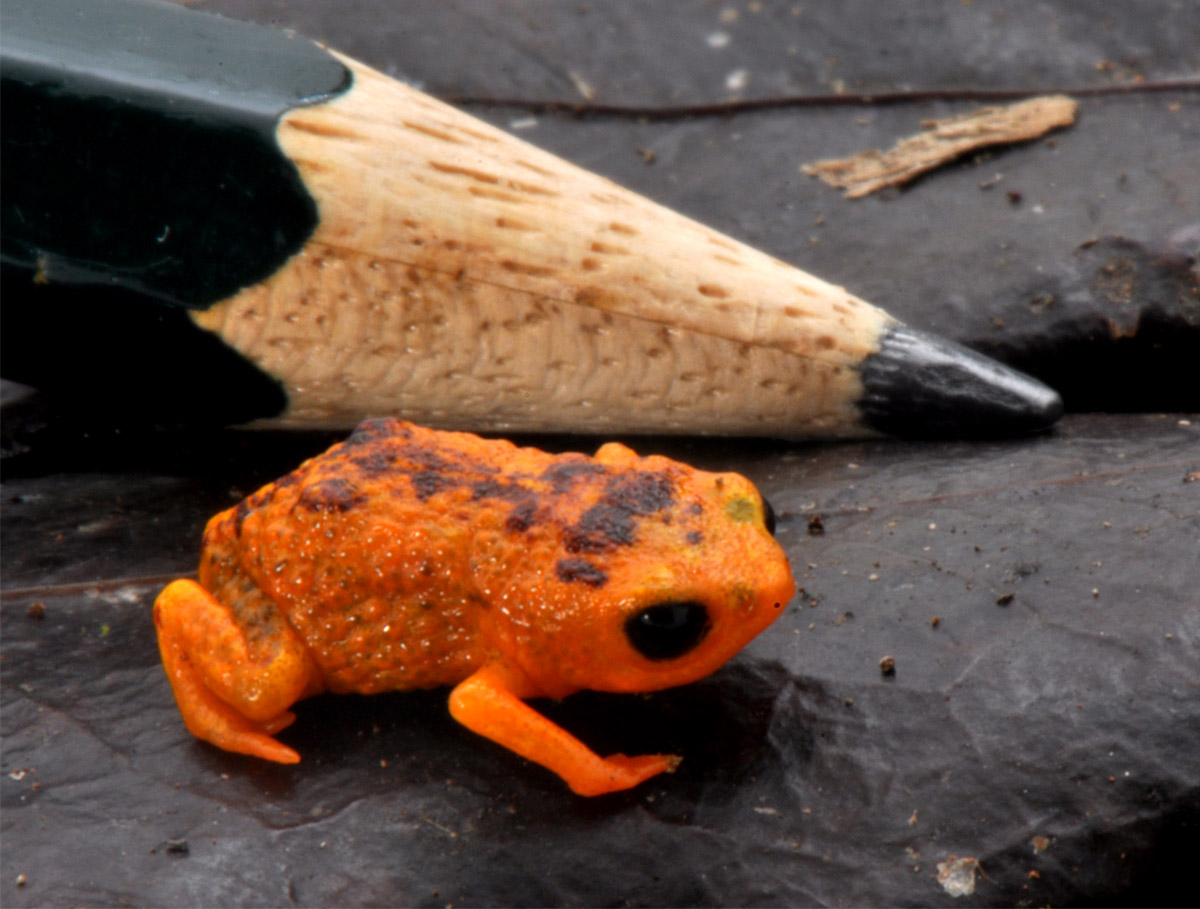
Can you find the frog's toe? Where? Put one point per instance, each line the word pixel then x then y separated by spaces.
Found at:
pixel 645 765
pixel 262 746
pixel 216 722
pixel 625 772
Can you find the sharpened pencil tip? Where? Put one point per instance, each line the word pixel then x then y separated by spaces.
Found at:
pixel 921 386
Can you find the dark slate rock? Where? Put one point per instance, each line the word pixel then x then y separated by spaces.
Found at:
pixel 1055 698
pixel 630 54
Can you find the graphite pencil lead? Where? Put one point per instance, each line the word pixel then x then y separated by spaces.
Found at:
pixel 919 385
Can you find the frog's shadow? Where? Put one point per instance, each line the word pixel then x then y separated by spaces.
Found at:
pixel 403 740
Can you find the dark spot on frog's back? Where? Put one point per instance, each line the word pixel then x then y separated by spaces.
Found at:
pixel 581 570
pixel 562 472
pixel 333 494
pixel 420 456
pixel 378 428
pixel 496 489
pixel 612 521
pixel 285 481
pixel 375 462
pixel 601 527
pixel 427 483
pixel 264 498
pixel 642 492
pixel 522 517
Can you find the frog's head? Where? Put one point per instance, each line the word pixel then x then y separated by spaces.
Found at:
pixel 652 574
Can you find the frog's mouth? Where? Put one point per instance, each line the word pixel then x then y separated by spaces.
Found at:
pixel 667 631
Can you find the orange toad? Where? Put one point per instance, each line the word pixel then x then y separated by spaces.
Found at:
pixel 409 558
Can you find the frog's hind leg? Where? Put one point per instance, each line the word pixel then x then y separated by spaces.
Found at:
pixel 233 680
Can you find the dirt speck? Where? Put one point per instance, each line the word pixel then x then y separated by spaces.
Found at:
pixel 957 875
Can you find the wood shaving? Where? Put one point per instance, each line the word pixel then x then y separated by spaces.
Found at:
pixel 943 141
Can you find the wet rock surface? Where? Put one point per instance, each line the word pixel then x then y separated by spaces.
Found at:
pixel 1037 598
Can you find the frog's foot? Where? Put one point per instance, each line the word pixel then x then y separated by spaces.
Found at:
pixel 228 695
pixel 208 717
pixel 485 704
pixel 626 772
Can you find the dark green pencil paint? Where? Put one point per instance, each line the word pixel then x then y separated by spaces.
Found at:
pixel 141 177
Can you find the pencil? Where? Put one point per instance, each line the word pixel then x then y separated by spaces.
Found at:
pixel 212 217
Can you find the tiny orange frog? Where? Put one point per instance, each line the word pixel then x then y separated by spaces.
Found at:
pixel 408 558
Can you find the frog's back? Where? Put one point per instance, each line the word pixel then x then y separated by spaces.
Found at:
pixel 366 549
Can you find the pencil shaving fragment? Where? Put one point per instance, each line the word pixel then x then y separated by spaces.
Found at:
pixel 942 142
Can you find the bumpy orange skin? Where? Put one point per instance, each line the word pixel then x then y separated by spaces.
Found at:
pixel 411 558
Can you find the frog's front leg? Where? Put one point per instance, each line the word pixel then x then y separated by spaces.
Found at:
pixel 486 704
pixel 233 687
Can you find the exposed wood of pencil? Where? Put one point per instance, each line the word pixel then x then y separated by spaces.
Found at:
pixel 462 277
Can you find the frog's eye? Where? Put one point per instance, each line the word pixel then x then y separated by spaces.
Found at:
pixel 668 630
pixel 769 516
